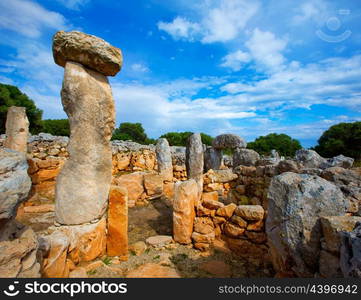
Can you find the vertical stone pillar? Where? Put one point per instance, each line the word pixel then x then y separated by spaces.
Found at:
pixel 212 159
pixel 195 160
pixel 17 129
pixel 117 239
pixel 164 159
pixel 185 198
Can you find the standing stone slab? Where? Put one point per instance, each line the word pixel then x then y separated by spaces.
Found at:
pixel 164 159
pixel 117 238
pixel 212 159
pixel 195 160
pixel 185 197
pixel 17 129
pixel 228 140
pixel 295 204
pixel 83 184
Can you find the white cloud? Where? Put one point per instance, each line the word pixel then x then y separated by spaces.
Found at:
pixel 73 4
pixel 332 81
pixel 218 21
pixel 180 28
pixel 29 18
pixel 138 67
pixel 170 106
pixel 266 49
pixel 315 11
pixel 235 60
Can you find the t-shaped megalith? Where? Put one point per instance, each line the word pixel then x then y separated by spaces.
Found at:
pixel 83 184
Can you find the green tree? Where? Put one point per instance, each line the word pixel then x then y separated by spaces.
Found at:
pixel 180 138
pixel 57 127
pixel 131 131
pixel 283 143
pixel 342 138
pixel 11 96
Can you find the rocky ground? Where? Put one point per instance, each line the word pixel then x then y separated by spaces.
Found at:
pixel 167 260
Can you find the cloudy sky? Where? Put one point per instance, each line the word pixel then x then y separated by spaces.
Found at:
pixel 227 66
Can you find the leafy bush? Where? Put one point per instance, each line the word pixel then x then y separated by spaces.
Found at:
pixel 57 127
pixel 11 96
pixel 180 138
pixel 132 131
pixel 342 138
pixel 283 143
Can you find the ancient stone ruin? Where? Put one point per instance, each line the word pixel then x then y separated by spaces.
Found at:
pixel 17 129
pixel 87 207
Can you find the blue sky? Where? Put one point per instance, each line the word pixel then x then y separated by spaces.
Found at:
pixel 227 66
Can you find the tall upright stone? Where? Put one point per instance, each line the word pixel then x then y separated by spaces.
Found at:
pixel 17 129
pixel 212 159
pixel 185 198
pixel 195 160
pixel 83 184
pixel 164 159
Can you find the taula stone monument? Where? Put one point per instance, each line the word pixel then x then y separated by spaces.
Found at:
pixel 83 184
pixel 17 129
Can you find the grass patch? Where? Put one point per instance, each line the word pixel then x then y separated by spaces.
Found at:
pixel 92 272
pixel 107 261
pixel 156 257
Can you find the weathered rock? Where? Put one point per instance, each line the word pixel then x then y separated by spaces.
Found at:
pixel 211 204
pixel 256 237
pixel 133 183
pixel 185 197
pixel 54 265
pixel 250 212
pixel 87 50
pixel 212 159
pixel 159 240
pixel 288 165
pixel 17 129
pixel 203 225
pixel 331 228
pixel 151 270
pixel 203 238
pixel 227 210
pixel 350 257
pixel 164 159
pixel 195 160
pixel 309 158
pixel 245 157
pixel 233 230
pixel 15 183
pixel 338 161
pixel 153 184
pixel 221 176
pixel 87 241
pixel 168 189
pixel 138 248
pixel 329 265
pixel 83 184
pixel 210 196
pixel 295 204
pixel 232 141
pixel 255 226
pixel 239 221
pixel 39 208
pixel 19 246
pixel 117 237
